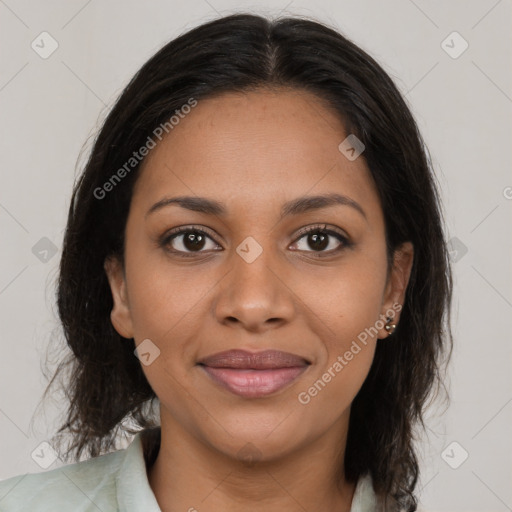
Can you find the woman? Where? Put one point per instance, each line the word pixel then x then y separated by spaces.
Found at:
pixel 259 220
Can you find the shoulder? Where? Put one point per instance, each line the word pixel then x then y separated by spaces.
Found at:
pixel 364 499
pixel 68 487
pixel 85 486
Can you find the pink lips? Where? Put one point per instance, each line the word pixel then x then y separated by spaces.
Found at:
pixel 253 375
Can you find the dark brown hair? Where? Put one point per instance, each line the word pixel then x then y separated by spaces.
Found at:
pixel 105 383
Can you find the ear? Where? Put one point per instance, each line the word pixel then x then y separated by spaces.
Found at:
pixel 120 315
pixel 396 287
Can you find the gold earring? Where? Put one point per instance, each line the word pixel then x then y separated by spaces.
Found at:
pixel 390 327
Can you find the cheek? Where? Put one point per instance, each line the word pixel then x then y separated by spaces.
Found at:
pixel 166 307
pixel 346 302
pixel 345 324
pixel 335 387
pixel 346 306
pixel 165 299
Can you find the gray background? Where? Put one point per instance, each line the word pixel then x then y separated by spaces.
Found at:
pixel 51 107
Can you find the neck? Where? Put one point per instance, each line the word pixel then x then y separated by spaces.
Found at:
pixel 190 475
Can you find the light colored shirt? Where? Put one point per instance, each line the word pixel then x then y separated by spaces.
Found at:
pixel 109 483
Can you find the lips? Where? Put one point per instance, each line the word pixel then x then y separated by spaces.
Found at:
pixel 243 360
pixel 253 375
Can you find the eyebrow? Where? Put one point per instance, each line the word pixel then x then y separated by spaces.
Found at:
pixel 295 207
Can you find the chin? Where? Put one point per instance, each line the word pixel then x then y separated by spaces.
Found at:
pixel 252 440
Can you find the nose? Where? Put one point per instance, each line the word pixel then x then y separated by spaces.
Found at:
pixel 254 296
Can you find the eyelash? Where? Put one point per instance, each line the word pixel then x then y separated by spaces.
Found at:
pixel 320 228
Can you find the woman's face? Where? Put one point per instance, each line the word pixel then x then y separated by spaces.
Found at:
pixel 255 280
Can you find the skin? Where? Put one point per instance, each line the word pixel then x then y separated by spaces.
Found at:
pixel 253 152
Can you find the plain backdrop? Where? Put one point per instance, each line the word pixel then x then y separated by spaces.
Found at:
pixel 461 98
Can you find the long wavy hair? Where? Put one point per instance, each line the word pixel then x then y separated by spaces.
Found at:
pixel 103 381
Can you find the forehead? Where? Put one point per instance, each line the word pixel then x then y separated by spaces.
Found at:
pixel 272 145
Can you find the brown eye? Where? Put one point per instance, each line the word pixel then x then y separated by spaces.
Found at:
pixel 318 239
pixel 189 240
pixel 193 241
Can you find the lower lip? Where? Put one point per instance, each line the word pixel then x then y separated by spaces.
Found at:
pixel 254 383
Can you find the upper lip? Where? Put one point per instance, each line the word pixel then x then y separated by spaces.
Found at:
pixel 242 359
